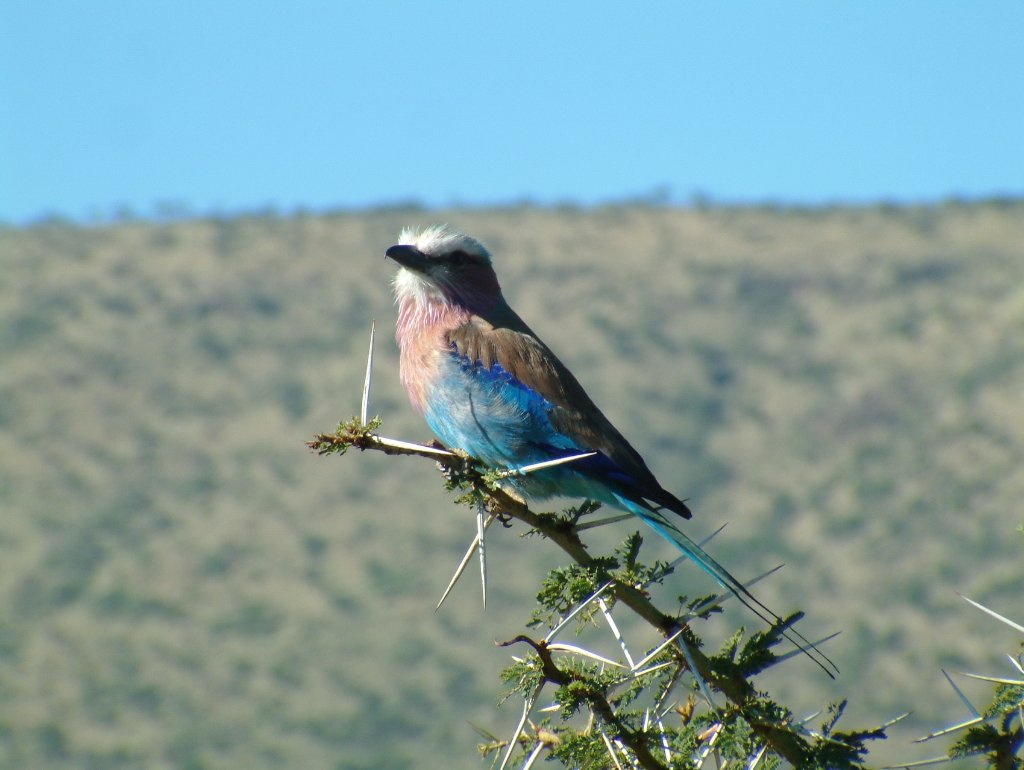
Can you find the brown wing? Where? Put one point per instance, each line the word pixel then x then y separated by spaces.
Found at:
pixel 502 337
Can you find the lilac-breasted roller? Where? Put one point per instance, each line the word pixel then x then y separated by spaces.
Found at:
pixel 487 385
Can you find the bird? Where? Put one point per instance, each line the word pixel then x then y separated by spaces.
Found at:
pixel 488 386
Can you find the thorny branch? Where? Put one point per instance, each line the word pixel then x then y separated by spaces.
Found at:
pixel 780 738
pixel 596 699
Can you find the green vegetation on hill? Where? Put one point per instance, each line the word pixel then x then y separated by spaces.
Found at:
pixel 185 586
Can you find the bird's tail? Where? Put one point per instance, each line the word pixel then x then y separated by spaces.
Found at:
pixel 703 559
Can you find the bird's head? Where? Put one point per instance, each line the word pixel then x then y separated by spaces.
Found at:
pixel 443 266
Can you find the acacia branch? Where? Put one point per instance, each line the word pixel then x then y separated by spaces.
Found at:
pixel 597 701
pixel 736 689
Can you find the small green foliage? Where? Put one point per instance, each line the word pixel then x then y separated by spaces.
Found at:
pixel 586 685
pixel 347 434
pixel 725 659
pixel 835 713
pixel 492 478
pixel 841 749
pixel 756 655
pixel 633 572
pixel 982 739
pixel 1001 738
pixel 1008 698
pixel 629 550
pixel 581 749
pixel 565 587
pixel 746 659
pixel 736 737
pixel 702 607
pixel 566 520
pixel 467 479
pixel 631 688
pixel 523 676
pixel 573 514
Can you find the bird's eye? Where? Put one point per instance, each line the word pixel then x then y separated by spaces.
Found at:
pixel 457 258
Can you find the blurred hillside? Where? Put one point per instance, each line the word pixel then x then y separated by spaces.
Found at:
pixel 185 586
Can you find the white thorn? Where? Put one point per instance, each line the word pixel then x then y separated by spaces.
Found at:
pixel 944 760
pixel 603 522
pixel 611 750
pixel 399 444
pixel 653 653
pixel 709 745
pixel 615 632
pixel 522 471
pixel 660 707
pixel 527 706
pixel 993 613
pixel 639 672
pixel 576 611
pixel 364 412
pixel 463 564
pixel 664 741
pixel 951 729
pixel 705 691
pixel 963 698
pixel 481 527
pixel 533 755
pixel 577 650
pixel 757 757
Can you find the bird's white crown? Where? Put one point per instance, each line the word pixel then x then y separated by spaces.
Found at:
pixel 438 240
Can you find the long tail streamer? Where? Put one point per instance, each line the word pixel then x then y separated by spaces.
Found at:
pixel 721 575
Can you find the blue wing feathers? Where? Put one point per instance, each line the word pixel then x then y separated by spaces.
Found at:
pixel 492 415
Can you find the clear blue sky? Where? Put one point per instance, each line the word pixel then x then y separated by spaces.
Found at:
pixel 226 106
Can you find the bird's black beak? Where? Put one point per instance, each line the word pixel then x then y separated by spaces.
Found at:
pixel 408 256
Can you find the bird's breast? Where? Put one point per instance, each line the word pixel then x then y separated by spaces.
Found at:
pixel 420 368
pixel 421 337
